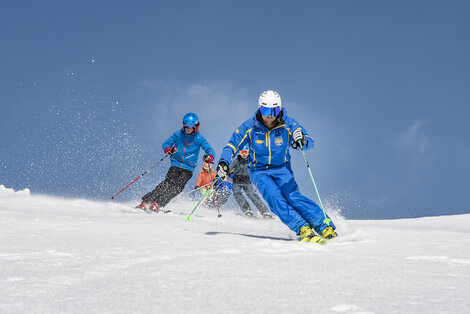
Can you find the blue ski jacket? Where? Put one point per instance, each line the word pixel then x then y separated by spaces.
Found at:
pixel 268 148
pixel 188 148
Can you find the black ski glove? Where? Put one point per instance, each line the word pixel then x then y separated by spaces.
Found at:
pixel 222 170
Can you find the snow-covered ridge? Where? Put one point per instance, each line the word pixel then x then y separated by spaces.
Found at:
pixel 74 256
pixel 4 192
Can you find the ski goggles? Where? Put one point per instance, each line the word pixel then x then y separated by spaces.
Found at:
pixel 268 111
pixel 244 152
pixel 189 126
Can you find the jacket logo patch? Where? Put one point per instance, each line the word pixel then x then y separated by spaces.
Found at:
pixel 259 142
pixel 278 141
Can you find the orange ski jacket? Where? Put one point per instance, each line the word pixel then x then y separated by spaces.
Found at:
pixel 205 179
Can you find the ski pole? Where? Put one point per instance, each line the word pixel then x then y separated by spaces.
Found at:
pixel 327 220
pixel 188 217
pixel 215 197
pixel 201 187
pixel 213 192
pixel 112 197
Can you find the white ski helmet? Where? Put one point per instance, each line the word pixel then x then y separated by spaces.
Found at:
pixel 269 99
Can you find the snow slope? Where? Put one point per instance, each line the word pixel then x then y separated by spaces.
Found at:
pixel 79 256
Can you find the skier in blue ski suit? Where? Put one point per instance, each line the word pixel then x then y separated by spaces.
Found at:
pixel 268 135
pixel 183 146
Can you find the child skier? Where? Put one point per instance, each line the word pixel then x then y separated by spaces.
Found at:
pixel 183 146
pixel 269 134
pixel 242 182
pixel 205 179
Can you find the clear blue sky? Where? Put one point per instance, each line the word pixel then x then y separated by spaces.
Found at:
pixel 89 90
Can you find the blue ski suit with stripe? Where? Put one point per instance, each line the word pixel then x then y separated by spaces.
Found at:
pixel 270 169
pixel 188 148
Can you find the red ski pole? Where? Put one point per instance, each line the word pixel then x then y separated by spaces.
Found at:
pixel 112 197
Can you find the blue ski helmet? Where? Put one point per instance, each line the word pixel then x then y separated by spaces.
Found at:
pixel 190 120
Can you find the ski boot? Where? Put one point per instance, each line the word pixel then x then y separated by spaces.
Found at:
pixel 329 233
pixel 154 207
pixel 142 206
pixel 307 235
pixel 267 215
pixel 249 215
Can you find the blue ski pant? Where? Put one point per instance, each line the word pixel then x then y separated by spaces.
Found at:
pixel 281 192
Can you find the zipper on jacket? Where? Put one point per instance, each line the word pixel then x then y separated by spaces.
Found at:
pixel 269 136
pixel 184 150
pixel 269 148
pixel 287 146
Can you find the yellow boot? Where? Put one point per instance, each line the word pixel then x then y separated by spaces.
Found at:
pixel 306 234
pixel 329 233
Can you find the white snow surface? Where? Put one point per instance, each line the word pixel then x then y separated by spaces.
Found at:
pixel 79 256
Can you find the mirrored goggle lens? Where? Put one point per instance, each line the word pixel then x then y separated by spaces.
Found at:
pixel 244 152
pixel 189 126
pixel 265 111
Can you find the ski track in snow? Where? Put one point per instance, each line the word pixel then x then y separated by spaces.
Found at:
pixel 75 256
